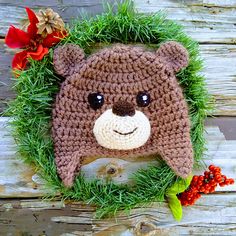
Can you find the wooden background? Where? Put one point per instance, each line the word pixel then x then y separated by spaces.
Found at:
pixel 213 24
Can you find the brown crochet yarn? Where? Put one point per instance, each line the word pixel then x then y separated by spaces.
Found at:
pixel 115 77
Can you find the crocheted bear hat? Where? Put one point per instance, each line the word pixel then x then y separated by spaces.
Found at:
pixel 123 101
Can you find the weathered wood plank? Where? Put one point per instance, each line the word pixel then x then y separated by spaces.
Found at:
pixel 226 125
pixel 212 215
pixel 201 19
pixel 220 61
pixel 19 180
pixel 16 178
pixel 113 168
pixel 34 218
pixel 12 12
pixel 6 93
pixel 207 21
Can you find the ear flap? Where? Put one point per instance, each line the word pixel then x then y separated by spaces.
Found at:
pixel 67 59
pixel 174 55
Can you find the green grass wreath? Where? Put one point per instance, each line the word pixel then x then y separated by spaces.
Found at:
pixel 37 85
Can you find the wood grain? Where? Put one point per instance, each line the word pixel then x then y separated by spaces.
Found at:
pixel 117 170
pixel 6 93
pixel 13 12
pixel 212 215
pixel 16 178
pixel 226 125
pixel 211 23
pixel 20 180
pixel 219 70
pixel 34 217
pixel 220 61
pixel 206 21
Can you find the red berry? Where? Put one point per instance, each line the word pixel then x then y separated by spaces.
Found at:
pixel 217 169
pixel 212 189
pixel 195 178
pixel 222 184
pixel 218 178
pixel 211 167
pixel 201 177
pixel 199 183
pixel 202 189
pixel 212 182
pixel 198 195
pixel 207 186
pixel 206 183
pixel 191 202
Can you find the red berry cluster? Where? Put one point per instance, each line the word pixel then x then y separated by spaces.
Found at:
pixel 206 183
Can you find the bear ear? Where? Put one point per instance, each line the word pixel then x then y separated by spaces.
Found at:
pixel 67 59
pixel 174 54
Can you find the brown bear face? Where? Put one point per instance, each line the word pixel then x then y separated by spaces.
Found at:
pixel 121 101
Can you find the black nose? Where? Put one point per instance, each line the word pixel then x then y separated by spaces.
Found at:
pixel 123 108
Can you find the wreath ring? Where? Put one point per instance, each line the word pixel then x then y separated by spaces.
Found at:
pixel 36 88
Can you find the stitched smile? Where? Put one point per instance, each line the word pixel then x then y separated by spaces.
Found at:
pixel 125 133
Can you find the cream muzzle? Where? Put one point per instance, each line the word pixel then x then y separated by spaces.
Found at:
pixel 122 132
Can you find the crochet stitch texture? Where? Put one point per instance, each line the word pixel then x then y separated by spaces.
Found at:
pixel 120 128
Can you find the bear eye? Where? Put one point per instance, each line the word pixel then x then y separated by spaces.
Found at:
pixel 143 99
pixel 96 100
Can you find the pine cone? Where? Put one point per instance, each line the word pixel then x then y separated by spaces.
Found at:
pixel 49 21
